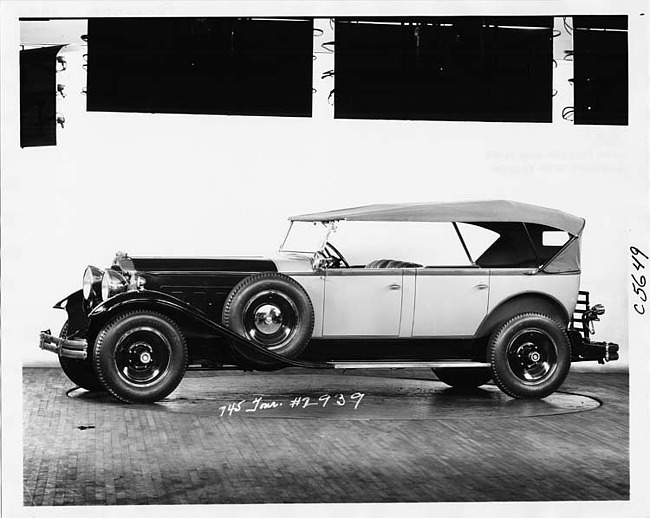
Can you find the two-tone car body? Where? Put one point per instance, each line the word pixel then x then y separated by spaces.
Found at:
pixel 475 290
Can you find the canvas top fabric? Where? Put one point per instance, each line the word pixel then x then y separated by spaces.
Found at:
pixel 466 212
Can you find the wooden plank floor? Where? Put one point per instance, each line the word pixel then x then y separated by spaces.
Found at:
pixel 96 451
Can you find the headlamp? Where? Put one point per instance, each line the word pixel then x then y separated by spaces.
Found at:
pixel 113 283
pixel 92 282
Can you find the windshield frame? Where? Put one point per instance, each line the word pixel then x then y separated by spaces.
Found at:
pixel 329 225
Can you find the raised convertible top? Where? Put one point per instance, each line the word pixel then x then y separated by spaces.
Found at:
pixel 466 212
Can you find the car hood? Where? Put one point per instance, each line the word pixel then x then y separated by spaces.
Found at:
pixel 196 264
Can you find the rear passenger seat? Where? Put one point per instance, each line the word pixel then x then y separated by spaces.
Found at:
pixel 391 263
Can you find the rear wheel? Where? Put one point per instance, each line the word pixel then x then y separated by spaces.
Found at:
pixel 80 372
pixel 530 356
pixel 140 357
pixel 463 377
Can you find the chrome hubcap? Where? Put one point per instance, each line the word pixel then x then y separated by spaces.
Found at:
pixel 268 319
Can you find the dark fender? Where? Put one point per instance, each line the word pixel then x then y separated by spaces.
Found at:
pixel 76 307
pixel 77 295
pixel 523 303
pixel 172 306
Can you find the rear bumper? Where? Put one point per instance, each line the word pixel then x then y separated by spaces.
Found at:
pixel 66 348
pixel 602 352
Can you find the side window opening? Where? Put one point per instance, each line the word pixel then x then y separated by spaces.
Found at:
pixel 512 249
pixel 547 241
pixel 554 238
pixel 477 239
pixel 516 245
pixel 419 244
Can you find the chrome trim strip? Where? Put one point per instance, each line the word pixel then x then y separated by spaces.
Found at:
pixel 445 270
pixel 362 272
pixel 524 271
pixel 406 364
pixel 198 272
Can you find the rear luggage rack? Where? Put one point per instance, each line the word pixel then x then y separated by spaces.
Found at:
pixel 580 330
pixel 582 306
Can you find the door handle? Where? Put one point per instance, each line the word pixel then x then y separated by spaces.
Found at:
pixel 481 286
pixel 394 286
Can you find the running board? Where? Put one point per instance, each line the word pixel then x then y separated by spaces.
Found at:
pixel 405 364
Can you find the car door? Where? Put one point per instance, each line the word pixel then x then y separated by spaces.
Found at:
pixel 450 302
pixel 362 302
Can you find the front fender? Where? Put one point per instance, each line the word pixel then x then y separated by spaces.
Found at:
pixel 76 307
pixel 76 296
pixel 145 298
pixel 157 299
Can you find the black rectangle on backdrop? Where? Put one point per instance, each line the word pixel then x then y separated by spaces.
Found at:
pixel 445 68
pixel 230 66
pixel 38 96
pixel 600 67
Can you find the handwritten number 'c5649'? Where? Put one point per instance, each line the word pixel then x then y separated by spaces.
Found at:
pixel 638 283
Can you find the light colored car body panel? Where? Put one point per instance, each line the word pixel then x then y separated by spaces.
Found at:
pixel 416 302
pixel 299 267
pixel 362 303
pixel 450 302
pixel 293 262
pixel 506 283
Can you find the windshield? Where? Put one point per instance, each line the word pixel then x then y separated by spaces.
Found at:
pixel 305 237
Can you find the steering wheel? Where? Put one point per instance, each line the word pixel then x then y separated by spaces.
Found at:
pixel 333 252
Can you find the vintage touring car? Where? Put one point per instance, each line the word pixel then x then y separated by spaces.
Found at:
pixel 478 291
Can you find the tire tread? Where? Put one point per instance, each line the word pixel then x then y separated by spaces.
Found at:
pixel 495 376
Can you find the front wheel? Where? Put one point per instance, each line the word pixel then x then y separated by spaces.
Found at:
pixel 463 377
pixel 140 357
pixel 530 356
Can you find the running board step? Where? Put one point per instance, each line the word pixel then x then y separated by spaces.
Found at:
pixel 404 364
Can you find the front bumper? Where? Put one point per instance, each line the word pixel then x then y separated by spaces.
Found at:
pixel 64 347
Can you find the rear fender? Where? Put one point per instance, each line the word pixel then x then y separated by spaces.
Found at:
pixel 523 303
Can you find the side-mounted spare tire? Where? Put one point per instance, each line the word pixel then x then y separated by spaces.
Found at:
pixel 140 356
pixel 273 311
pixel 80 372
pixel 530 356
